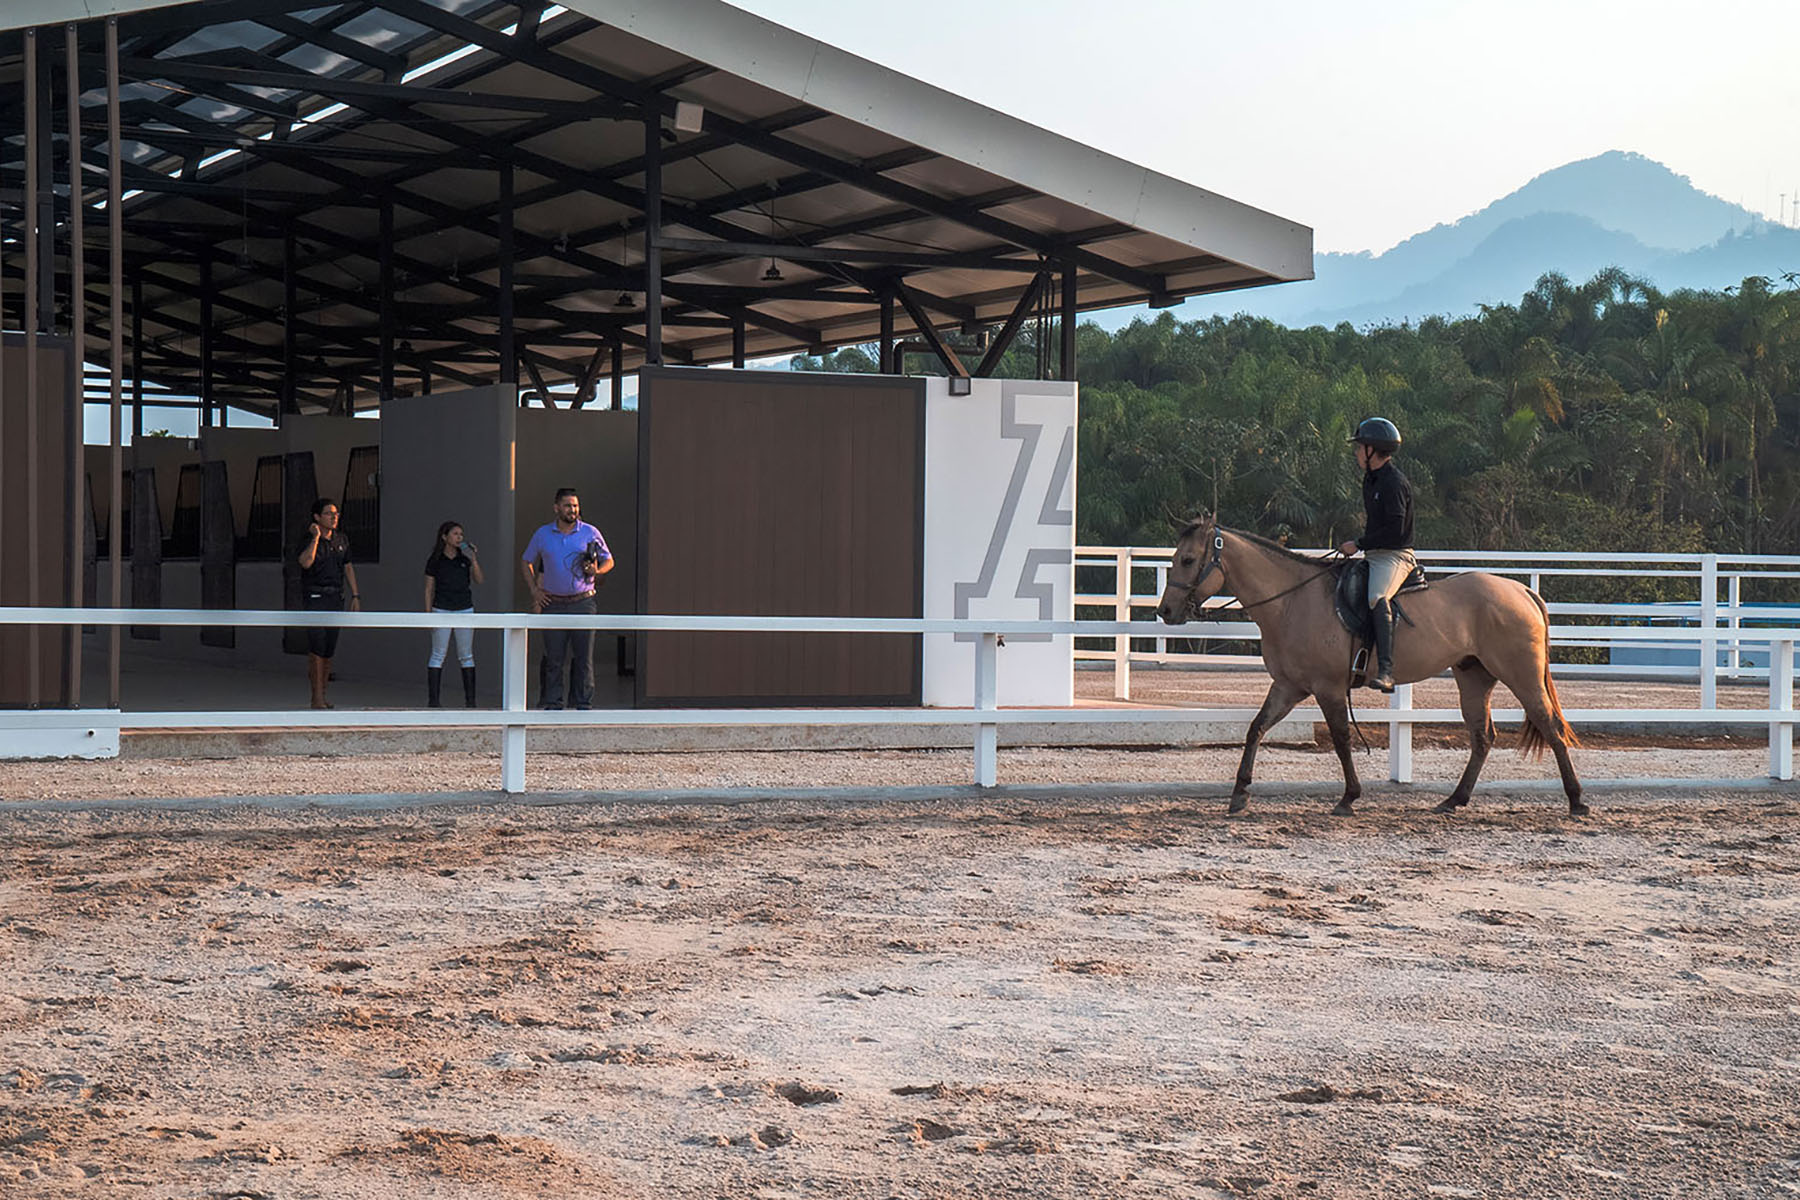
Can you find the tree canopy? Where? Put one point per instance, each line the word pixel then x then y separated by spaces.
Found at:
pixel 1604 415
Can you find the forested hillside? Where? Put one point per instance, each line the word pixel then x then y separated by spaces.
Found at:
pixel 1595 416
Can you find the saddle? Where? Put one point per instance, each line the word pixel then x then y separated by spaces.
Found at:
pixel 1351 599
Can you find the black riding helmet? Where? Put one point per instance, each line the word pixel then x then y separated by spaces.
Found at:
pixel 1379 434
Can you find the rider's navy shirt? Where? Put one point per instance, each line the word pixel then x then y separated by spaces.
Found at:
pixel 1388 505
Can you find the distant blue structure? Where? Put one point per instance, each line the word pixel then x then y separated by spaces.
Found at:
pixel 1642 654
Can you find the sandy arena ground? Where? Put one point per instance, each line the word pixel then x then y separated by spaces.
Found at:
pixel 1035 996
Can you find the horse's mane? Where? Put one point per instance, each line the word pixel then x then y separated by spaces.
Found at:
pixel 1259 540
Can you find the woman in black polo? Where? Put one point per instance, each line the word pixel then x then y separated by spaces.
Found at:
pixel 325 570
pixel 450 575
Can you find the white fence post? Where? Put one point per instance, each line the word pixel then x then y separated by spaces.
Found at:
pixel 1781 699
pixel 1733 657
pixel 1122 612
pixel 1709 625
pixel 987 734
pixel 513 659
pixel 1162 585
pixel 1400 737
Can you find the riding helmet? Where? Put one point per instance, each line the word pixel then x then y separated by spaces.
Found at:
pixel 1378 433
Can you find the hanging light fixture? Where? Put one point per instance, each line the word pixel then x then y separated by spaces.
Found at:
pixel 773 273
pixel 625 299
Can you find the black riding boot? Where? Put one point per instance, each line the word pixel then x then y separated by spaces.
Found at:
pixel 468 687
pixel 434 687
pixel 1383 613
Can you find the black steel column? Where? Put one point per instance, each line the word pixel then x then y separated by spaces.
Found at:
pixel 737 340
pixel 75 424
pixel 509 353
pixel 653 296
pixel 115 246
pixel 887 332
pixel 5 528
pixel 385 388
pixel 34 268
pixel 206 343
pixel 618 376
pixel 137 359
pixel 44 197
pixel 290 303
pixel 1069 318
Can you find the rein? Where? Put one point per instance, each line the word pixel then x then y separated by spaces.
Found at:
pixel 1216 563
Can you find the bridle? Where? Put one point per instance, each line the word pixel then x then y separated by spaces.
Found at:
pixel 1216 562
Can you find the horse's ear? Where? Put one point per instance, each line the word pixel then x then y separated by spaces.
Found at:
pixel 1180 523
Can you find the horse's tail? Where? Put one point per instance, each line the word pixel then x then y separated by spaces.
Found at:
pixel 1531 739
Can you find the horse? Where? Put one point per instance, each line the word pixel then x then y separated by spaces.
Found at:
pixel 1482 628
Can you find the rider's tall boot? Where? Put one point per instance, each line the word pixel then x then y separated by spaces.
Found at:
pixel 1383 614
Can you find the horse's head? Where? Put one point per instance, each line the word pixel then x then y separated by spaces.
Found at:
pixel 1195 572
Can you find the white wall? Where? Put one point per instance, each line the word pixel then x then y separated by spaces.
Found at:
pixel 1000 533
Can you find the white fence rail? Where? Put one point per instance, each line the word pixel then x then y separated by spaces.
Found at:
pixel 1720 618
pixel 514 719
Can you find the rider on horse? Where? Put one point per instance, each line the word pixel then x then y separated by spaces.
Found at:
pixel 1387 539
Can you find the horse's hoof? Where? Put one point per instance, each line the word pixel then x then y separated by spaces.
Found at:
pixel 1449 805
pixel 1577 809
pixel 1238 804
pixel 1343 809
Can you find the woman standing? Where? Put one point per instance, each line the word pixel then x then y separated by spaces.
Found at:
pixel 323 556
pixel 450 574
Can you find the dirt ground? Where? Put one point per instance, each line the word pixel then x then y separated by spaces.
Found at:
pixel 862 995
pixel 1036 998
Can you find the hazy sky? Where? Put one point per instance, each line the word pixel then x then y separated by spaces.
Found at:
pixel 1367 121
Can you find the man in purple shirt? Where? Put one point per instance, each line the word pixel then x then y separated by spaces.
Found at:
pixel 562 564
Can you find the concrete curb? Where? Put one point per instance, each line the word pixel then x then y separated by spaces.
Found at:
pixel 862 796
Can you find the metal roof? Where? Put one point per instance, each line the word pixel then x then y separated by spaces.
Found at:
pixel 815 183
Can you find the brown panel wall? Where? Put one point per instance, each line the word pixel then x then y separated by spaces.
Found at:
pixel 18 513
pixel 776 494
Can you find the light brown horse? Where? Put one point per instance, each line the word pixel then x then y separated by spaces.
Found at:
pixel 1483 628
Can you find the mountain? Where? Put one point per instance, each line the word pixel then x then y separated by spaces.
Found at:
pixel 1616 209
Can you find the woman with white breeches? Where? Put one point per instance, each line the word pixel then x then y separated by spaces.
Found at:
pixel 450 575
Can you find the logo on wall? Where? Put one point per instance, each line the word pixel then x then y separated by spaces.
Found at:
pixel 1050 513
